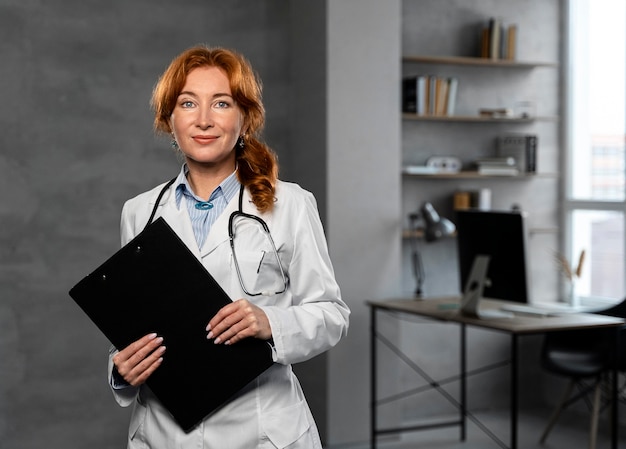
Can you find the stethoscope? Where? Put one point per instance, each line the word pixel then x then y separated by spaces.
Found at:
pixel 231 237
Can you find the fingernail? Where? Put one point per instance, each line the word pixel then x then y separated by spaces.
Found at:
pixel 217 341
pixel 210 335
pixel 159 340
pixel 208 327
pixel 152 336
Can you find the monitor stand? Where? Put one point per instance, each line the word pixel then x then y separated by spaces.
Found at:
pixel 473 293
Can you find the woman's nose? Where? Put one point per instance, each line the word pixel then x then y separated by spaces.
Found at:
pixel 204 119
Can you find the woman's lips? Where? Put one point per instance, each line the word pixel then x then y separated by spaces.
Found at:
pixel 204 139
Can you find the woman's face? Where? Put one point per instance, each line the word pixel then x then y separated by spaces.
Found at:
pixel 206 121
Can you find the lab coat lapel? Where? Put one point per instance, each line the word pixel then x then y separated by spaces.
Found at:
pixel 219 230
pixel 179 221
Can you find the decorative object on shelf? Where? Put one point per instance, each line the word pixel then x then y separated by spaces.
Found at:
pixel 484 199
pixel 435 227
pixel 472 199
pixel 435 165
pixel 496 112
pixel 463 200
pixel 444 164
pixel 524 109
pixel 419 170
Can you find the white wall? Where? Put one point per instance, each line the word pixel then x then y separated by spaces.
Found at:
pixel 363 197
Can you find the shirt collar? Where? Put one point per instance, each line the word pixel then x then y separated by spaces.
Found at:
pixel 228 187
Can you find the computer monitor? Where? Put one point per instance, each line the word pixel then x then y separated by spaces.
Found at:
pixel 501 236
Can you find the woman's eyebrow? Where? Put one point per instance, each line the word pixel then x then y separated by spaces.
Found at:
pixel 216 95
pixel 222 95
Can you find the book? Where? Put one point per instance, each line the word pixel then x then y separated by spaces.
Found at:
pixel 511 43
pixel 507 161
pixel 522 147
pixel 503 42
pixel 498 170
pixel 429 95
pixel 432 95
pixel 497 166
pixel 495 32
pixel 484 42
pixel 498 41
pixel 453 84
pixel 421 95
pixel 441 95
pixel 409 94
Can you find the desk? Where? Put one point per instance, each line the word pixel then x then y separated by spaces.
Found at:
pixel 446 310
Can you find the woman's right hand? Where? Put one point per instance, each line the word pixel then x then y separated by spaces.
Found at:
pixel 138 360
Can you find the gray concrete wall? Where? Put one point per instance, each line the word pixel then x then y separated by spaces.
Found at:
pixel 364 214
pixel 77 141
pixel 305 161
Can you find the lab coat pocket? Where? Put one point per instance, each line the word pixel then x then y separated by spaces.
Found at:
pixel 285 426
pixel 260 271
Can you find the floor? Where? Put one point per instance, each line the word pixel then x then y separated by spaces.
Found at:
pixel 570 432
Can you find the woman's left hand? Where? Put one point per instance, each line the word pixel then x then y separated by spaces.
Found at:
pixel 238 320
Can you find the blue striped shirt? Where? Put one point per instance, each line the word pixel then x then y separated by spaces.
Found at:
pixel 203 219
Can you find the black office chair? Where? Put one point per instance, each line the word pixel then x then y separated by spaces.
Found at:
pixel 584 356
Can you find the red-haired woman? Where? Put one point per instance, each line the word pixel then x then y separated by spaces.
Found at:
pixel 282 284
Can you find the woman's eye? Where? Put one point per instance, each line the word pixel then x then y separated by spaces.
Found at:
pixel 222 104
pixel 186 104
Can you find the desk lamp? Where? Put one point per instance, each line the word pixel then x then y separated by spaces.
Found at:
pixel 434 227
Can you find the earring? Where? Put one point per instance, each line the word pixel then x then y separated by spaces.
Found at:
pixel 173 143
pixel 241 142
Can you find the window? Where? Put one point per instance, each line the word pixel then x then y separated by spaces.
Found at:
pixel 595 194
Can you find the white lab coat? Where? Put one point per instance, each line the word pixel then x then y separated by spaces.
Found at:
pixel 306 320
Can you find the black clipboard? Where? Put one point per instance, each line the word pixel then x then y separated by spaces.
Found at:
pixel 155 284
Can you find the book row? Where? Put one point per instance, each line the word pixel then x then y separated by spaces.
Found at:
pixel 498 41
pixel 429 95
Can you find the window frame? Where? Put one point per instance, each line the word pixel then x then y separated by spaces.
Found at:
pixel 570 205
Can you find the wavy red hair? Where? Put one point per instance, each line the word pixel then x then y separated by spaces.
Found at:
pixel 257 163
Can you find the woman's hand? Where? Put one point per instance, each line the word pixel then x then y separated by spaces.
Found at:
pixel 138 360
pixel 238 320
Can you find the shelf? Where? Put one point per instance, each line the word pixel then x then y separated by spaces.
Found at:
pixel 475 118
pixel 419 234
pixel 476 175
pixel 478 62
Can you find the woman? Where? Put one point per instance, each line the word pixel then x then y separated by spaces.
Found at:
pixel 209 100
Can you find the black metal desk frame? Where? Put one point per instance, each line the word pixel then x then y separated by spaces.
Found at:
pixel 530 326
